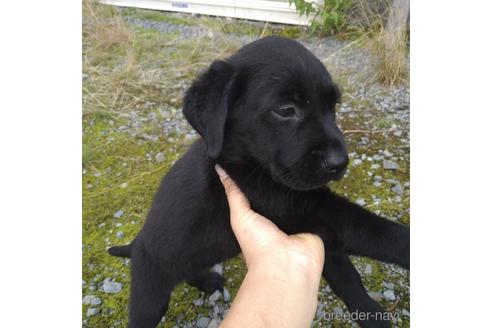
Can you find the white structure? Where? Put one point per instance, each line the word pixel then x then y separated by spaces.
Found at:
pixel 262 10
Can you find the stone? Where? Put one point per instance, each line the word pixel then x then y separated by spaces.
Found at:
pixel 375 166
pixel 202 322
pixel 159 157
pixel 320 313
pixel 118 214
pixel 377 184
pixel 111 287
pixel 357 162
pixel 387 153
pixel 219 268
pixel 338 311
pixel 91 300
pixel 227 295
pixel 120 235
pixel 368 269
pixel 390 165
pixel 388 285
pixel 214 297
pixel 214 323
pixel 198 302
pixel 389 295
pixel 405 313
pixel 378 178
pixel 375 296
pixel 92 311
pixel 360 202
pixel 397 189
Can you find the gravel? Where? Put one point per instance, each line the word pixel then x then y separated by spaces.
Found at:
pixel 375 296
pixel 390 165
pixel 389 295
pixel 92 311
pixel 214 323
pixel 214 297
pixel 111 287
pixel 360 202
pixel 118 214
pixel 159 158
pixel 227 295
pixel 203 322
pixel 91 300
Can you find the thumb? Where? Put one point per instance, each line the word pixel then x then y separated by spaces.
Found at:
pixel 238 203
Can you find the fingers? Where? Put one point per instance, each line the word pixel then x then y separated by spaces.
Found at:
pixel 238 203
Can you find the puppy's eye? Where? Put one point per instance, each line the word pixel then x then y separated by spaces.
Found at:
pixel 286 112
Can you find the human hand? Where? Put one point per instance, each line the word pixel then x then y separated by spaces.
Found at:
pixel 288 267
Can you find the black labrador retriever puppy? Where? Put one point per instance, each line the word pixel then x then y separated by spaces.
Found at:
pixel 267 116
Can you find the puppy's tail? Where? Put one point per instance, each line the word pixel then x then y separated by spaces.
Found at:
pixel 121 251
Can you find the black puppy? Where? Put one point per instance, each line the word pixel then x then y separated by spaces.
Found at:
pixel 267 116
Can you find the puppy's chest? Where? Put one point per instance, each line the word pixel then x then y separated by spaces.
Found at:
pixel 284 209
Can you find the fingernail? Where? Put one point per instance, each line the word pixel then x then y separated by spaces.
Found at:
pixel 220 171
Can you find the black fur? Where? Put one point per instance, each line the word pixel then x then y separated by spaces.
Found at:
pixel 266 115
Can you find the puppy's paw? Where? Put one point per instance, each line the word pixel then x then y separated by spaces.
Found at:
pixel 208 282
pixel 212 282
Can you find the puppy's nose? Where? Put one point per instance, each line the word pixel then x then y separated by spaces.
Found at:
pixel 333 161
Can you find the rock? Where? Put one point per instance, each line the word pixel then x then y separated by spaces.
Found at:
pixel 216 310
pixel 375 166
pixel 389 295
pixel 92 311
pixel 377 184
pixel 124 185
pixel 214 323
pixel 345 109
pixel 320 313
pixel 111 287
pixel 360 202
pixel 357 162
pixel 375 296
pixel 159 157
pixel 397 189
pixel 387 153
pixel 390 165
pixel 338 311
pixel 388 285
pixel 214 297
pixel 405 313
pixel 120 235
pixel 203 322
pixel 227 295
pixel 378 178
pixel 91 300
pixel 198 302
pixel 219 268
pixel 368 269
pixel 118 214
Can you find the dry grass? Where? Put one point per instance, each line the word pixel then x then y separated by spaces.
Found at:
pixel 127 68
pixel 387 40
pixel 391 50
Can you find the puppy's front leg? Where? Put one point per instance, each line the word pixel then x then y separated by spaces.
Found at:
pixel 360 232
pixel 345 281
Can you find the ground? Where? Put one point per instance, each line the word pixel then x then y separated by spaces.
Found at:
pixel 133 131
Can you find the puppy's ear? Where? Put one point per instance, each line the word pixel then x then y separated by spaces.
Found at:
pixel 207 102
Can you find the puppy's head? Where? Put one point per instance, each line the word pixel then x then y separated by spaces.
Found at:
pixel 272 102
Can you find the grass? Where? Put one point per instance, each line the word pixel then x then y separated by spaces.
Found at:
pixel 134 79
